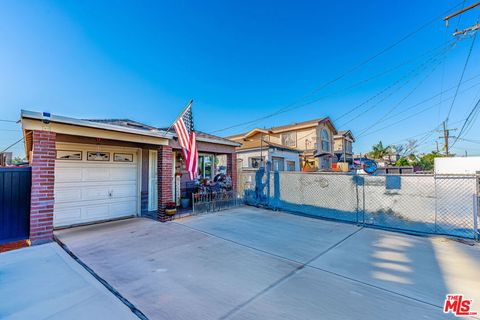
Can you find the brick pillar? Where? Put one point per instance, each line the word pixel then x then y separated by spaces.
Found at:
pixel 232 168
pixel 43 178
pixel 164 171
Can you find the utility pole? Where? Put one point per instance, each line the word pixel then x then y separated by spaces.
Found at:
pixel 475 27
pixel 436 143
pixel 446 137
pixel 446 134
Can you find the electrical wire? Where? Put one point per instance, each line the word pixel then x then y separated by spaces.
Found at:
pixel 403 99
pixel 344 74
pixel 461 77
pixel 411 75
pixel 416 113
pixel 13 144
pixel 467 122
pixel 389 87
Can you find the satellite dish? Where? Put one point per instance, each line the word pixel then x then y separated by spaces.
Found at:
pixel 369 166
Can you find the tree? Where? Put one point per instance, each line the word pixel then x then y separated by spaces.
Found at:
pixel 18 160
pixel 379 151
pixel 402 162
pixel 426 161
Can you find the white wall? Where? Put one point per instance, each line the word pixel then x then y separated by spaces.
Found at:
pixel 457 165
pixel 289 156
pixel 243 156
pixel 268 154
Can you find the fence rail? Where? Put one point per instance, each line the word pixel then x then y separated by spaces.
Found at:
pixel 214 201
pixel 433 204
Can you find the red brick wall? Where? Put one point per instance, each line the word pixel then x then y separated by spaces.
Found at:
pixel 164 168
pixel 43 178
pixel 232 168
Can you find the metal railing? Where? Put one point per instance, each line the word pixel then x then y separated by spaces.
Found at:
pixel 204 202
pixel 431 204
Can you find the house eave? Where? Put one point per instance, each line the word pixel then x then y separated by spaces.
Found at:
pixel 26 114
pixel 210 140
pixel 266 148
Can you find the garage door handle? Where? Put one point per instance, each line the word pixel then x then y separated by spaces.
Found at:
pixel 110 193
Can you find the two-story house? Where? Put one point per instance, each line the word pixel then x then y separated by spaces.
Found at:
pixel 342 146
pixel 305 146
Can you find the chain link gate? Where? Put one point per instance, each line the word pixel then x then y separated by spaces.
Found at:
pixel 430 204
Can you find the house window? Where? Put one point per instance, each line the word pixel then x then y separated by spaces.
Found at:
pixel 69 155
pixel 277 163
pixel 98 156
pixel 123 157
pixel 325 140
pixel 205 166
pixel 290 165
pixel 255 162
pixel 289 139
pixel 221 164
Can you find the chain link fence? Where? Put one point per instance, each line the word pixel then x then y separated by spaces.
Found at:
pixel 433 204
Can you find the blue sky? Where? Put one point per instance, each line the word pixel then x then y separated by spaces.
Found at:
pixel 239 61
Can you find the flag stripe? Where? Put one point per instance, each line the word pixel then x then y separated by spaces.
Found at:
pixel 187 140
pixel 182 133
pixel 193 149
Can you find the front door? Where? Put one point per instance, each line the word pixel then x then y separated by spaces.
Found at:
pixel 152 181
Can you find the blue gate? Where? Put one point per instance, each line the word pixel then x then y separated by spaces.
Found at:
pixel 15 188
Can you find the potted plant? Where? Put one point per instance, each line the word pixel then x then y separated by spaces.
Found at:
pixel 171 208
pixel 185 202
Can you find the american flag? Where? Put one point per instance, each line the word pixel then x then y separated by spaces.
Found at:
pixel 187 139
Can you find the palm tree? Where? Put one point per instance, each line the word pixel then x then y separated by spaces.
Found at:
pixel 379 151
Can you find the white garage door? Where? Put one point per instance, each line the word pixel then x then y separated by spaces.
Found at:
pixel 89 190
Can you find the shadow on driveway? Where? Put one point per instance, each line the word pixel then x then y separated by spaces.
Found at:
pixel 250 263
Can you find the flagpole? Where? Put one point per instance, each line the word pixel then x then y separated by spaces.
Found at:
pixel 181 114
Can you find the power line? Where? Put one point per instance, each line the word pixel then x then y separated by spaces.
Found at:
pixel 404 98
pixel 460 16
pixel 5 120
pixel 409 77
pixel 364 81
pixel 470 141
pixel 13 144
pixel 461 77
pixel 432 58
pixel 470 116
pixel 415 114
pixel 389 87
pixel 341 76
pixel 434 96
pixel 426 135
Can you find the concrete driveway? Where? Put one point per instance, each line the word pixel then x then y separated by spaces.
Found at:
pixel 44 282
pixel 250 263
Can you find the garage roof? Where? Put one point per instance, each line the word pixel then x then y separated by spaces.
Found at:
pixel 100 124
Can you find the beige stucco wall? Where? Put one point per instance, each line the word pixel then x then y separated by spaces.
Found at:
pixel 308 138
pixel 305 140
